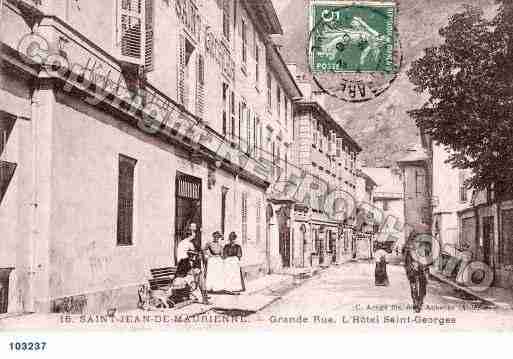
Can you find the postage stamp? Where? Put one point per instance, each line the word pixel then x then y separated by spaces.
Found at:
pixel 352 37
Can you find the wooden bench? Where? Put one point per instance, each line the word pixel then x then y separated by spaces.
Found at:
pixel 162 278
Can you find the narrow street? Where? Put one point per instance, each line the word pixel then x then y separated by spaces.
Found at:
pixel 346 297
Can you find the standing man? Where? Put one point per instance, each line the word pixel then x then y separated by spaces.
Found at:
pixel 190 260
pixel 415 270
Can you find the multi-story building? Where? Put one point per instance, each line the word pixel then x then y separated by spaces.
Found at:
pixel 469 225
pixel 326 154
pixel 389 200
pixel 416 176
pixel 122 123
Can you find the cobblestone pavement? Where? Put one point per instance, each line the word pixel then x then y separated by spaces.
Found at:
pixel 345 297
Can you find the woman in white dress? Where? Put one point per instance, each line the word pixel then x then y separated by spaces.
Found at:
pixel 232 253
pixel 215 264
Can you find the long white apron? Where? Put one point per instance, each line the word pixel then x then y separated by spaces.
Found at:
pixel 233 281
pixel 215 274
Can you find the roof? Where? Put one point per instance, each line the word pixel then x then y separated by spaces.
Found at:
pixel 389 183
pixel 276 61
pixel 416 153
pixel 316 106
pixel 368 179
pixel 267 16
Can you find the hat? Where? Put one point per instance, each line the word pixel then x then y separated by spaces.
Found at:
pixel 217 234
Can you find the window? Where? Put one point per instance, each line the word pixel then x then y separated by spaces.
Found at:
pixel 226 19
pixel 255 136
pixel 269 91
pixel 273 150
pixel 278 101
pixel 232 114
pixel 339 147
pixel 201 69
pixel 125 200
pixel 244 43
pixel 419 183
pixel 257 65
pixel 315 133
pixel 258 220
pixel 286 111
pixel 200 86
pixel 224 193
pixel 244 211
pixel 7 170
pixel 149 45
pixel 261 140
pixel 184 56
pixel 248 132
pixel 321 138
pixel 225 115
pixel 242 125
pixel 286 162
pixel 135 19
pixel 463 187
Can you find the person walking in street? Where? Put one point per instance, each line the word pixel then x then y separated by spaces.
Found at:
pixel 415 270
pixel 215 265
pixel 232 253
pixel 380 272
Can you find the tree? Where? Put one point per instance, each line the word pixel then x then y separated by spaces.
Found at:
pixel 469 80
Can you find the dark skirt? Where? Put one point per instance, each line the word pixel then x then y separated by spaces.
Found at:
pixel 380 274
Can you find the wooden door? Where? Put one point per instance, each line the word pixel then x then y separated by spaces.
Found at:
pixel 188 207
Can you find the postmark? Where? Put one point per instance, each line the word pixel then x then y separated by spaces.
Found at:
pixel 354 50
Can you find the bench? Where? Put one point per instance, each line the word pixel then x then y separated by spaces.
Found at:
pixel 162 277
pixel 163 280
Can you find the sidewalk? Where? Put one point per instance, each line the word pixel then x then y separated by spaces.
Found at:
pixel 500 297
pixel 255 298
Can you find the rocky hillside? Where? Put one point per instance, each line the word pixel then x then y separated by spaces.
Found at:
pixel 381 126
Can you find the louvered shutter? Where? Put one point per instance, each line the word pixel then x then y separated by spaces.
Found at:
pixel 149 45
pixel 244 208
pixel 248 132
pixel 132 31
pixel 200 85
pixel 339 147
pixel 258 220
pixel 6 174
pixel 181 90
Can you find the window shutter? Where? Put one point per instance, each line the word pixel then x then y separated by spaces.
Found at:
pixel 200 85
pixel 258 220
pixel 248 132
pixel 339 147
pixel 125 200
pixel 244 217
pixel 132 31
pixel 182 96
pixel 149 45
pixel 6 174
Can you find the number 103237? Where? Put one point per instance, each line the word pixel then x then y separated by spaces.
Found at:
pixel 27 346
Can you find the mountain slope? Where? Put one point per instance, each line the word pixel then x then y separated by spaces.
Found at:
pixel 381 126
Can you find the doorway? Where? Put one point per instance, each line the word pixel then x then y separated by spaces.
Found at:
pixel 488 234
pixel 188 196
pixel 285 244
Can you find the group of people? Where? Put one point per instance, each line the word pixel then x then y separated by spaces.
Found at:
pixel 209 268
pixel 415 269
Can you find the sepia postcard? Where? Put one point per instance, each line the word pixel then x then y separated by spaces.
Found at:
pixel 326 165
